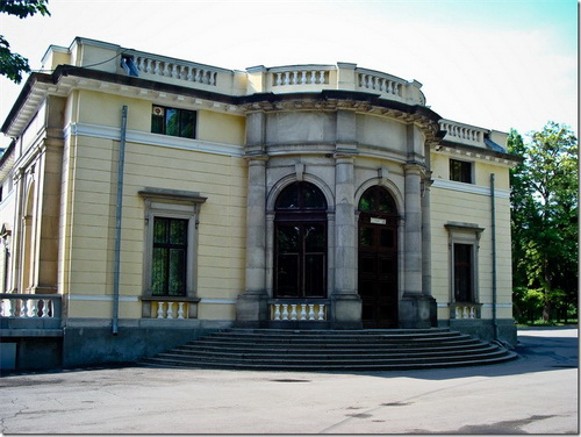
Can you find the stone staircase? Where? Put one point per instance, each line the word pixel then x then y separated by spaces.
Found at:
pixel 310 350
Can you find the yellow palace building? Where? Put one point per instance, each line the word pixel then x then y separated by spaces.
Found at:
pixel 148 200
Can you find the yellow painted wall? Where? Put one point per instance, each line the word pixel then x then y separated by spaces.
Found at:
pixel 221 128
pixel 449 205
pixel 92 184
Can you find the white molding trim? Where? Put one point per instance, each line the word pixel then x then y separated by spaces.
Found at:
pixel 218 301
pixel 469 188
pixel 140 137
pixel 100 298
pixel 484 305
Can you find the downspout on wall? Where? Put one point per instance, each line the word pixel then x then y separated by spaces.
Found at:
pixel 493 232
pixel 118 216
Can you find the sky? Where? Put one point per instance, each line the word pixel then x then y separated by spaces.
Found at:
pixel 496 64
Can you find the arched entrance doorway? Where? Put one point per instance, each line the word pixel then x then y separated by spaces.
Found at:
pixel 300 242
pixel 377 255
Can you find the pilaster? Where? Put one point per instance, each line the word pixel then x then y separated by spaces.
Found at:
pixel 345 301
pixel 251 305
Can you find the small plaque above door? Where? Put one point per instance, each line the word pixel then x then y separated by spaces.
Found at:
pixel 377 221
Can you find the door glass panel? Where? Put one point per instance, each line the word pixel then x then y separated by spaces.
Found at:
pixel 288 275
pixel 314 275
pixel 387 238
pixel 366 237
pixel 159 269
pixel 288 238
pixel 177 268
pixel 315 238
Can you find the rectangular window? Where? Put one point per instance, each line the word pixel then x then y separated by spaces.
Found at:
pixel 463 273
pixel 170 246
pixel 173 121
pixel 461 171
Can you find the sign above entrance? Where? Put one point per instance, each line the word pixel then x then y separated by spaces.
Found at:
pixel 377 221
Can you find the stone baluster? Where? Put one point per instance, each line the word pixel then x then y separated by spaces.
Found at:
pixel 321 313
pixel 311 311
pixel 313 77
pixel 181 312
pixel 169 313
pixel 276 311
pixel 2 308
pixel 23 308
pixel 303 315
pixel 293 314
pixel 160 310
pixel 284 311
pixel 321 77
pixel 303 77
pixel 166 71
pixel 32 308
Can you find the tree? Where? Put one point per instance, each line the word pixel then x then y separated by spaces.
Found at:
pixel 13 65
pixel 544 218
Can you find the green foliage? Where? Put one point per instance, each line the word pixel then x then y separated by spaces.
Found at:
pixel 544 220
pixel 13 65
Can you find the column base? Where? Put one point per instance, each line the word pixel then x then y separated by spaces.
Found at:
pixel 346 311
pixel 252 310
pixel 417 312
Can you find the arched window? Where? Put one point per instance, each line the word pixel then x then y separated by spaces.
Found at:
pixel 300 260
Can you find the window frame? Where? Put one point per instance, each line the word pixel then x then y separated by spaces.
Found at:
pixel 167 247
pixel 301 216
pixel 466 174
pixel 171 204
pixel 467 234
pixel 181 113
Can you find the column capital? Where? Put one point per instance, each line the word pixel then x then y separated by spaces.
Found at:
pixel 415 168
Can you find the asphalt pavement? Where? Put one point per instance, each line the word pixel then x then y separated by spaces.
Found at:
pixel 537 393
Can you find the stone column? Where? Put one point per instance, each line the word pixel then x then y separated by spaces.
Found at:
pixel 345 301
pixel 251 305
pixel 427 251
pixel 415 307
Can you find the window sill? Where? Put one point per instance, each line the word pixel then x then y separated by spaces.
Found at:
pixel 170 299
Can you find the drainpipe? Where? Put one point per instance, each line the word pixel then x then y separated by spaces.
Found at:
pixel 493 230
pixel 118 215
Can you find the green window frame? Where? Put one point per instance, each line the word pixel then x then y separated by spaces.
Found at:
pixel 169 257
pixel 173 121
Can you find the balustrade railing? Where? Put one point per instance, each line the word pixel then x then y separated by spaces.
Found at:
pixel 169 310
pixel 465 310
pixel 381 83
pixel 292 311
pixel 30 306
pixel 174 69
pixel 295 76
pixel 463 133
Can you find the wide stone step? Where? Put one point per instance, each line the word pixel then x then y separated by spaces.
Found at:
pixel 469 360
pixel 332 350
pixel 249 352
pixel 325 344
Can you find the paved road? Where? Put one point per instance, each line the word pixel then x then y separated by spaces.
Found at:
pixel 538 393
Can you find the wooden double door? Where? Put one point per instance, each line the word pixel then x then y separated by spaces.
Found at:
pixel 378 271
